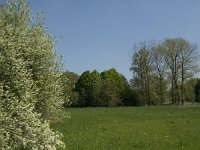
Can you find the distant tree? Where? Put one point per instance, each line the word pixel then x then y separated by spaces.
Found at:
pixel 159 69
pixel 158 90
pixel 108 94
pixel 172 61
pixel 180 59
pixel 96 87
pixel 197 91
pixel 130 97
pixel 69 80
pixel 88 86
pixel 189 67
pixel 142 65
pixel 189 89
pixel 82 87
pixel 117 85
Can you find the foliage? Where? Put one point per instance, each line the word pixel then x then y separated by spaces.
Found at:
pixel 71 97
pixel 159 71
pixel 142 67
pixel 108 94
pixel 158 95
pixel 197 91
pixel 113 87
pixel 30 90
pixel 130 97
pixel 88 87
pixel 189 88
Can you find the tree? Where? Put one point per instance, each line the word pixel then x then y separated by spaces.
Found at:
pixel 115 84
pixel 189 89
pixel 88 86
pixel 171 54
pixel 179 56
pixel 69 80
pixel 81 87
pixel 159 68
pixel 158 90
pixel 29 81
pixel 109 96
pixel 197 91
pixel 46 71
pixel 130 97
pixel 142 61
pixel 189 67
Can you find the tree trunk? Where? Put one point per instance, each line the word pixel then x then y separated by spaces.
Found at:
pixel 182 84
pixel 172 91
pixel 161 89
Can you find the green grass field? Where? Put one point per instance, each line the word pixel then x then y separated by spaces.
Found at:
pixel 132 128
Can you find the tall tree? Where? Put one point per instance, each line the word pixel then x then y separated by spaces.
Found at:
pixel 171 54
pixel 142 61
pixel 179 56
pixel 189 67
pixel 160 68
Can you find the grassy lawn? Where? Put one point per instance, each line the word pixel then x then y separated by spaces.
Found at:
pixel 132 128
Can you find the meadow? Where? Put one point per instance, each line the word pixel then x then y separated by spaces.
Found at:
pixel 132 128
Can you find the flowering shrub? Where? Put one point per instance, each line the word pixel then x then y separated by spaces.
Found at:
pixel 30 91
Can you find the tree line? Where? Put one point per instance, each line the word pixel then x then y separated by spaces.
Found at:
pixel 163 72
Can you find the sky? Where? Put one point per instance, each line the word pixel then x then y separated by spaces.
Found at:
pixel 100 34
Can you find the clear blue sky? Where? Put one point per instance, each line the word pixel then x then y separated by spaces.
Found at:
pixel 100 34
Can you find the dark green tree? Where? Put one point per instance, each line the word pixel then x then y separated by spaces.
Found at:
pixel 189 88
pixel 71 97
pixel 158 90
pixel 116 85
pixel 108 94
pixel 88 86
pixel 197 91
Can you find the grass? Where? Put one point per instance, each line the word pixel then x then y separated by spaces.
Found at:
pixel 132 128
